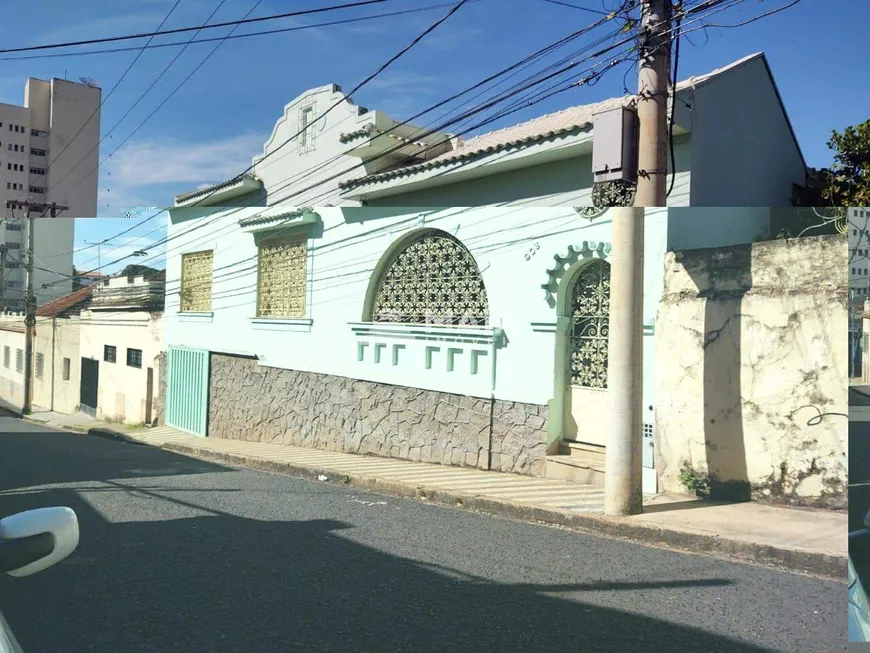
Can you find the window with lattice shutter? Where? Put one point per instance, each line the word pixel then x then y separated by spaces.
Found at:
pixel 433 280
pixel 282 278
pixel 196 282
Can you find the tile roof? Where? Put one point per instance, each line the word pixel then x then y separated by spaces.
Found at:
pixel 186 197
pixel 68 304
pixel 365 130
pixel 525 133
pixel 545 127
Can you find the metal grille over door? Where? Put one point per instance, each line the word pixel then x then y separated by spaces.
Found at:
pixel 590 316
pixel 187 389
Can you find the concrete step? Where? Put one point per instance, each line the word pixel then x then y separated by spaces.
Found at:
pixel 581 450
pixel 577 462
pixel 564 468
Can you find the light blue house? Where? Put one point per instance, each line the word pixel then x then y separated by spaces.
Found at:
pixel 465 336
pixel 378 288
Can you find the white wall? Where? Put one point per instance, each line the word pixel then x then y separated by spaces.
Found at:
pixel 341 261
pixel 11 380
pixel 122 389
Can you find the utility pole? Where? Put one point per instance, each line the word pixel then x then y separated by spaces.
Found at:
pixel 3 251
pixel 29 298
pixel 623 469
pixel 99 245
pixel 623 472
pixel 652 102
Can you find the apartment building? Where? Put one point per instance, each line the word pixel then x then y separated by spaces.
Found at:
pixel 49 152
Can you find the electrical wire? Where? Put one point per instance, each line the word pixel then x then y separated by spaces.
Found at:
pixel 525 61
pixel 105 98
pixel 175 44
pixel 676 40
pixel 368 79
pixel 567 4
pixel 136 103
pixel 179 30
pixel 707 4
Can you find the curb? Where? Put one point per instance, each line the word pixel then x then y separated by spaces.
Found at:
pixel 805 562
pixel 109 434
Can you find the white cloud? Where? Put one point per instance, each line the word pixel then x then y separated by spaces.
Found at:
pixel 172 161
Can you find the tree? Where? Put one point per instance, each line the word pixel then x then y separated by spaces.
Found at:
pixel 847 182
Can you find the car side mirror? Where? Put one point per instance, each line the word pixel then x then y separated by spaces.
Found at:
pixel 37 539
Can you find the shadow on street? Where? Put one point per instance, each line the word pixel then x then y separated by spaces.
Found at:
pixel 218 582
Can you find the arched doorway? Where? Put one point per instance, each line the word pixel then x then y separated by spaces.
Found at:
pixel 586 304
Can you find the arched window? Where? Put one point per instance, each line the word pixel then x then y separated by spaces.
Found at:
pixel 590 316
pixel 433 280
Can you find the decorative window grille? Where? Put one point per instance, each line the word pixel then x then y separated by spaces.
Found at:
pixel 282 278
pixel 19 360
pixel 196 282
pixel 590 313
pixel 434 280
pixel 40 365
pixel 6 356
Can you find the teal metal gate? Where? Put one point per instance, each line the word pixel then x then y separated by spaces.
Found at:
pixel 187 389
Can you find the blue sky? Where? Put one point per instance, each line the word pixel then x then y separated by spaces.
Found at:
pixel 211 128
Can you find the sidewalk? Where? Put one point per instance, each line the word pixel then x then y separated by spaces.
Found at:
pixel 807 541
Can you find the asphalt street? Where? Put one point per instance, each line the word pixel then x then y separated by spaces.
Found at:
pixel 183 555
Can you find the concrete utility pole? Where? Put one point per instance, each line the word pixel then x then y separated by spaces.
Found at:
pixel 623 472
pixel 29 297
pixel 3 251
pixel 623 469
pixel 652 102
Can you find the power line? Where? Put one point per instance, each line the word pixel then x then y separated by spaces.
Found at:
pixel 568 4
pixel 473 127
pixel 392 150
pixel 172 93
pixel 105 98
pixel 179 30
pixel 591 79
pixel 383 67
pixel 174 44
pixel 136 103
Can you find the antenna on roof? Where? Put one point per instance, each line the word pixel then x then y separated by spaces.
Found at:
pixel 88 81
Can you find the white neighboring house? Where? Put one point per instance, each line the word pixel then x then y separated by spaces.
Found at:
pixel 733 144
pixel 44 158
pixel 121 339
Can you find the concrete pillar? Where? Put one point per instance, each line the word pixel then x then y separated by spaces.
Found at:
pixel 624 439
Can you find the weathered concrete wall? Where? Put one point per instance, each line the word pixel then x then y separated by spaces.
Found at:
pixel 752 387
pixel 265 404
pixel 159 402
